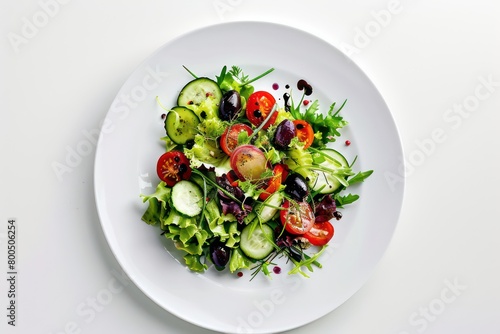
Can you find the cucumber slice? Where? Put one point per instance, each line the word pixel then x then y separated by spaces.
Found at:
pixel 202 95
pixel 268 209
pixel 187 198
pixel 181 125
pixel 325 182
pixel 259 244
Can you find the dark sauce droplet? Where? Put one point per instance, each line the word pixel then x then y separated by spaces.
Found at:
pixel 303 85
pixel 286 98
pixel 257 113
pixel 287 86
pixel 203 114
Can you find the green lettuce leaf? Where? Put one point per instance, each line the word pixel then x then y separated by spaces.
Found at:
pixel 203 151
pixel 193 262
pixel 238 261
pixel 158 206
pixel 226 228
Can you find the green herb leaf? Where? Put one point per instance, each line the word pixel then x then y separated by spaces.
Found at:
pixel 342 200
pixel 325 126
pixel 360 177
pixel 222 75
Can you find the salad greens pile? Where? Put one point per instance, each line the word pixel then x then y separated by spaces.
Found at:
pixel 244 180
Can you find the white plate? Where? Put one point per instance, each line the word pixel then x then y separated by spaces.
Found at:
pixel 129 146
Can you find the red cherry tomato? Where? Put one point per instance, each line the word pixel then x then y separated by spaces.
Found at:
pixel 274 183
pixel 259 105
pixel 172 167
pixel 320 234
pixel 232 178
pixel 304 131
pixel 229 139
pixel 298 218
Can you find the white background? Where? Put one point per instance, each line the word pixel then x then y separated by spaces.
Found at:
pixel 429 59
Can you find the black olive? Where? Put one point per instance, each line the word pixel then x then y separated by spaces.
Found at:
pixel 296 187
pixel 230 106
pixel 219 254
pixel 284 134
pixel 296 253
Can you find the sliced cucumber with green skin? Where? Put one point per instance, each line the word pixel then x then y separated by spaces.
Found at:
pixel 269 207
pixel 326 183
pixel 181 125
pixel 259 244
pixel 202 95
pixel 187 198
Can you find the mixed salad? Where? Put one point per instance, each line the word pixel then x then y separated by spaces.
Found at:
pixel 245 179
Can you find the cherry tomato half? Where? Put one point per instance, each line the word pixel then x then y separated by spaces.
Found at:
pixel 172 167
pixel 232 178
pixel 259 105
pixel 304 131
pixel 298 218
pixel 229 139
pixel 320 234
pixel 274 183
pixel 248 162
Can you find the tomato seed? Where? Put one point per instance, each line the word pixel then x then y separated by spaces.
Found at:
pixel 183 168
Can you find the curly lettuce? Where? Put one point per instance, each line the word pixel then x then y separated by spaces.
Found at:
pixel 204 151
pixel 158 207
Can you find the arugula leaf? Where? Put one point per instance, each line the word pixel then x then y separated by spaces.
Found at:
pixel 360 177
pixel 342 200
pixel 325 126
pixel 307 263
